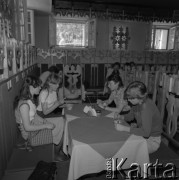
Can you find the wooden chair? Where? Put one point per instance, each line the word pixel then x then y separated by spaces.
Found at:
pixel 73 88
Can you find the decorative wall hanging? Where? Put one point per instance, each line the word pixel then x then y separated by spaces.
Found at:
pixel 1 61
pixel 120 38
pixel 58 53
pixel 88 56
pixel 73 57
pixel 43 53
pixel 24 56
pixel 18 57
pixel 9 59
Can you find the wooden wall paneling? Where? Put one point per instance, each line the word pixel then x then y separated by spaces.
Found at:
pixel 28 58
pixel 101 56
pixel 138 57
pixel 101 78
pixel 8 129
pixel 11 116
pixel 83 72
pixel 87 56
pixel 96 75
pixel 44 67
pixel 7 110
pixel 16 85
pixel 60 66
pixel 125 56
pixel 88 75
pixel 92 76
pixel 58 58
pixel 3 161
pixel 6 123
pixel 172 58
pixel 156 83
pixel 114 56
pixel 149 57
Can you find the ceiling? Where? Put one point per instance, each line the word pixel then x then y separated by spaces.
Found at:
pixel 162 4
pixel 167 9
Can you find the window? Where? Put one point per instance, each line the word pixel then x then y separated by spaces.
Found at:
pixel 75 33
pixel 30 27
pixel 163 36
pixel 70 34
pixel 171 38
pixel 159 38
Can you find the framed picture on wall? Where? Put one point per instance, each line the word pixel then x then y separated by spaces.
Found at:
pixel 10 60
pixel 18 58
pixel 1 62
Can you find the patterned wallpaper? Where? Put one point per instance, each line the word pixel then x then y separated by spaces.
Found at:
pixel 67 56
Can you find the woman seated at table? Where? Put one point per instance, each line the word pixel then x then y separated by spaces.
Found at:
pixel 48 102
pixel 27 118
pixel 117 92
pixel 146 113
pixel 113 70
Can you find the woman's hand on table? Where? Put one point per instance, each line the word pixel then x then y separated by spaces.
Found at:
pixel 99 101
pixel 121 127
pixel 60 102
pixel 103 105
pixel 134 125
pixel 118 116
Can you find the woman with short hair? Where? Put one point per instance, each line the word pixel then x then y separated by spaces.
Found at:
pixel 146 114
pixel 115 84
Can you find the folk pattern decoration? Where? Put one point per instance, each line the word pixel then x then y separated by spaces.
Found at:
pixel 120 38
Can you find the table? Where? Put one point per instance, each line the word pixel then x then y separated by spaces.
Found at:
pixel 91 140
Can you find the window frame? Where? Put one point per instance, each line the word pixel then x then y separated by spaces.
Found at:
pixel 173 27
pixel 164 26
pixel 154 36
pixel 75 20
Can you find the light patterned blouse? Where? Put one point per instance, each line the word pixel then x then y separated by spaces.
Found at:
pixel 117 96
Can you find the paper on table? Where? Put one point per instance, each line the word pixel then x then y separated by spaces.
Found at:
pixel 89 110
pixel 110 115
pixel 71 117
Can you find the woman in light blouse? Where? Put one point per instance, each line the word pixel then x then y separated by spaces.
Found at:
pixel 117 92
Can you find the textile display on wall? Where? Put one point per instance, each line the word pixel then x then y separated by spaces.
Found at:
pixel 120 38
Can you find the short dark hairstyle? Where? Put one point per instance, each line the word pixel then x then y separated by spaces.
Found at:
pixel 116 78
pixel 116 63
pixel 53 69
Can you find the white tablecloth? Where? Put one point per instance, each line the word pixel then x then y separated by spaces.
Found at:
pixel 85 160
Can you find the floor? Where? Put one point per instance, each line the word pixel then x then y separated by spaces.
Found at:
pixel 62 173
